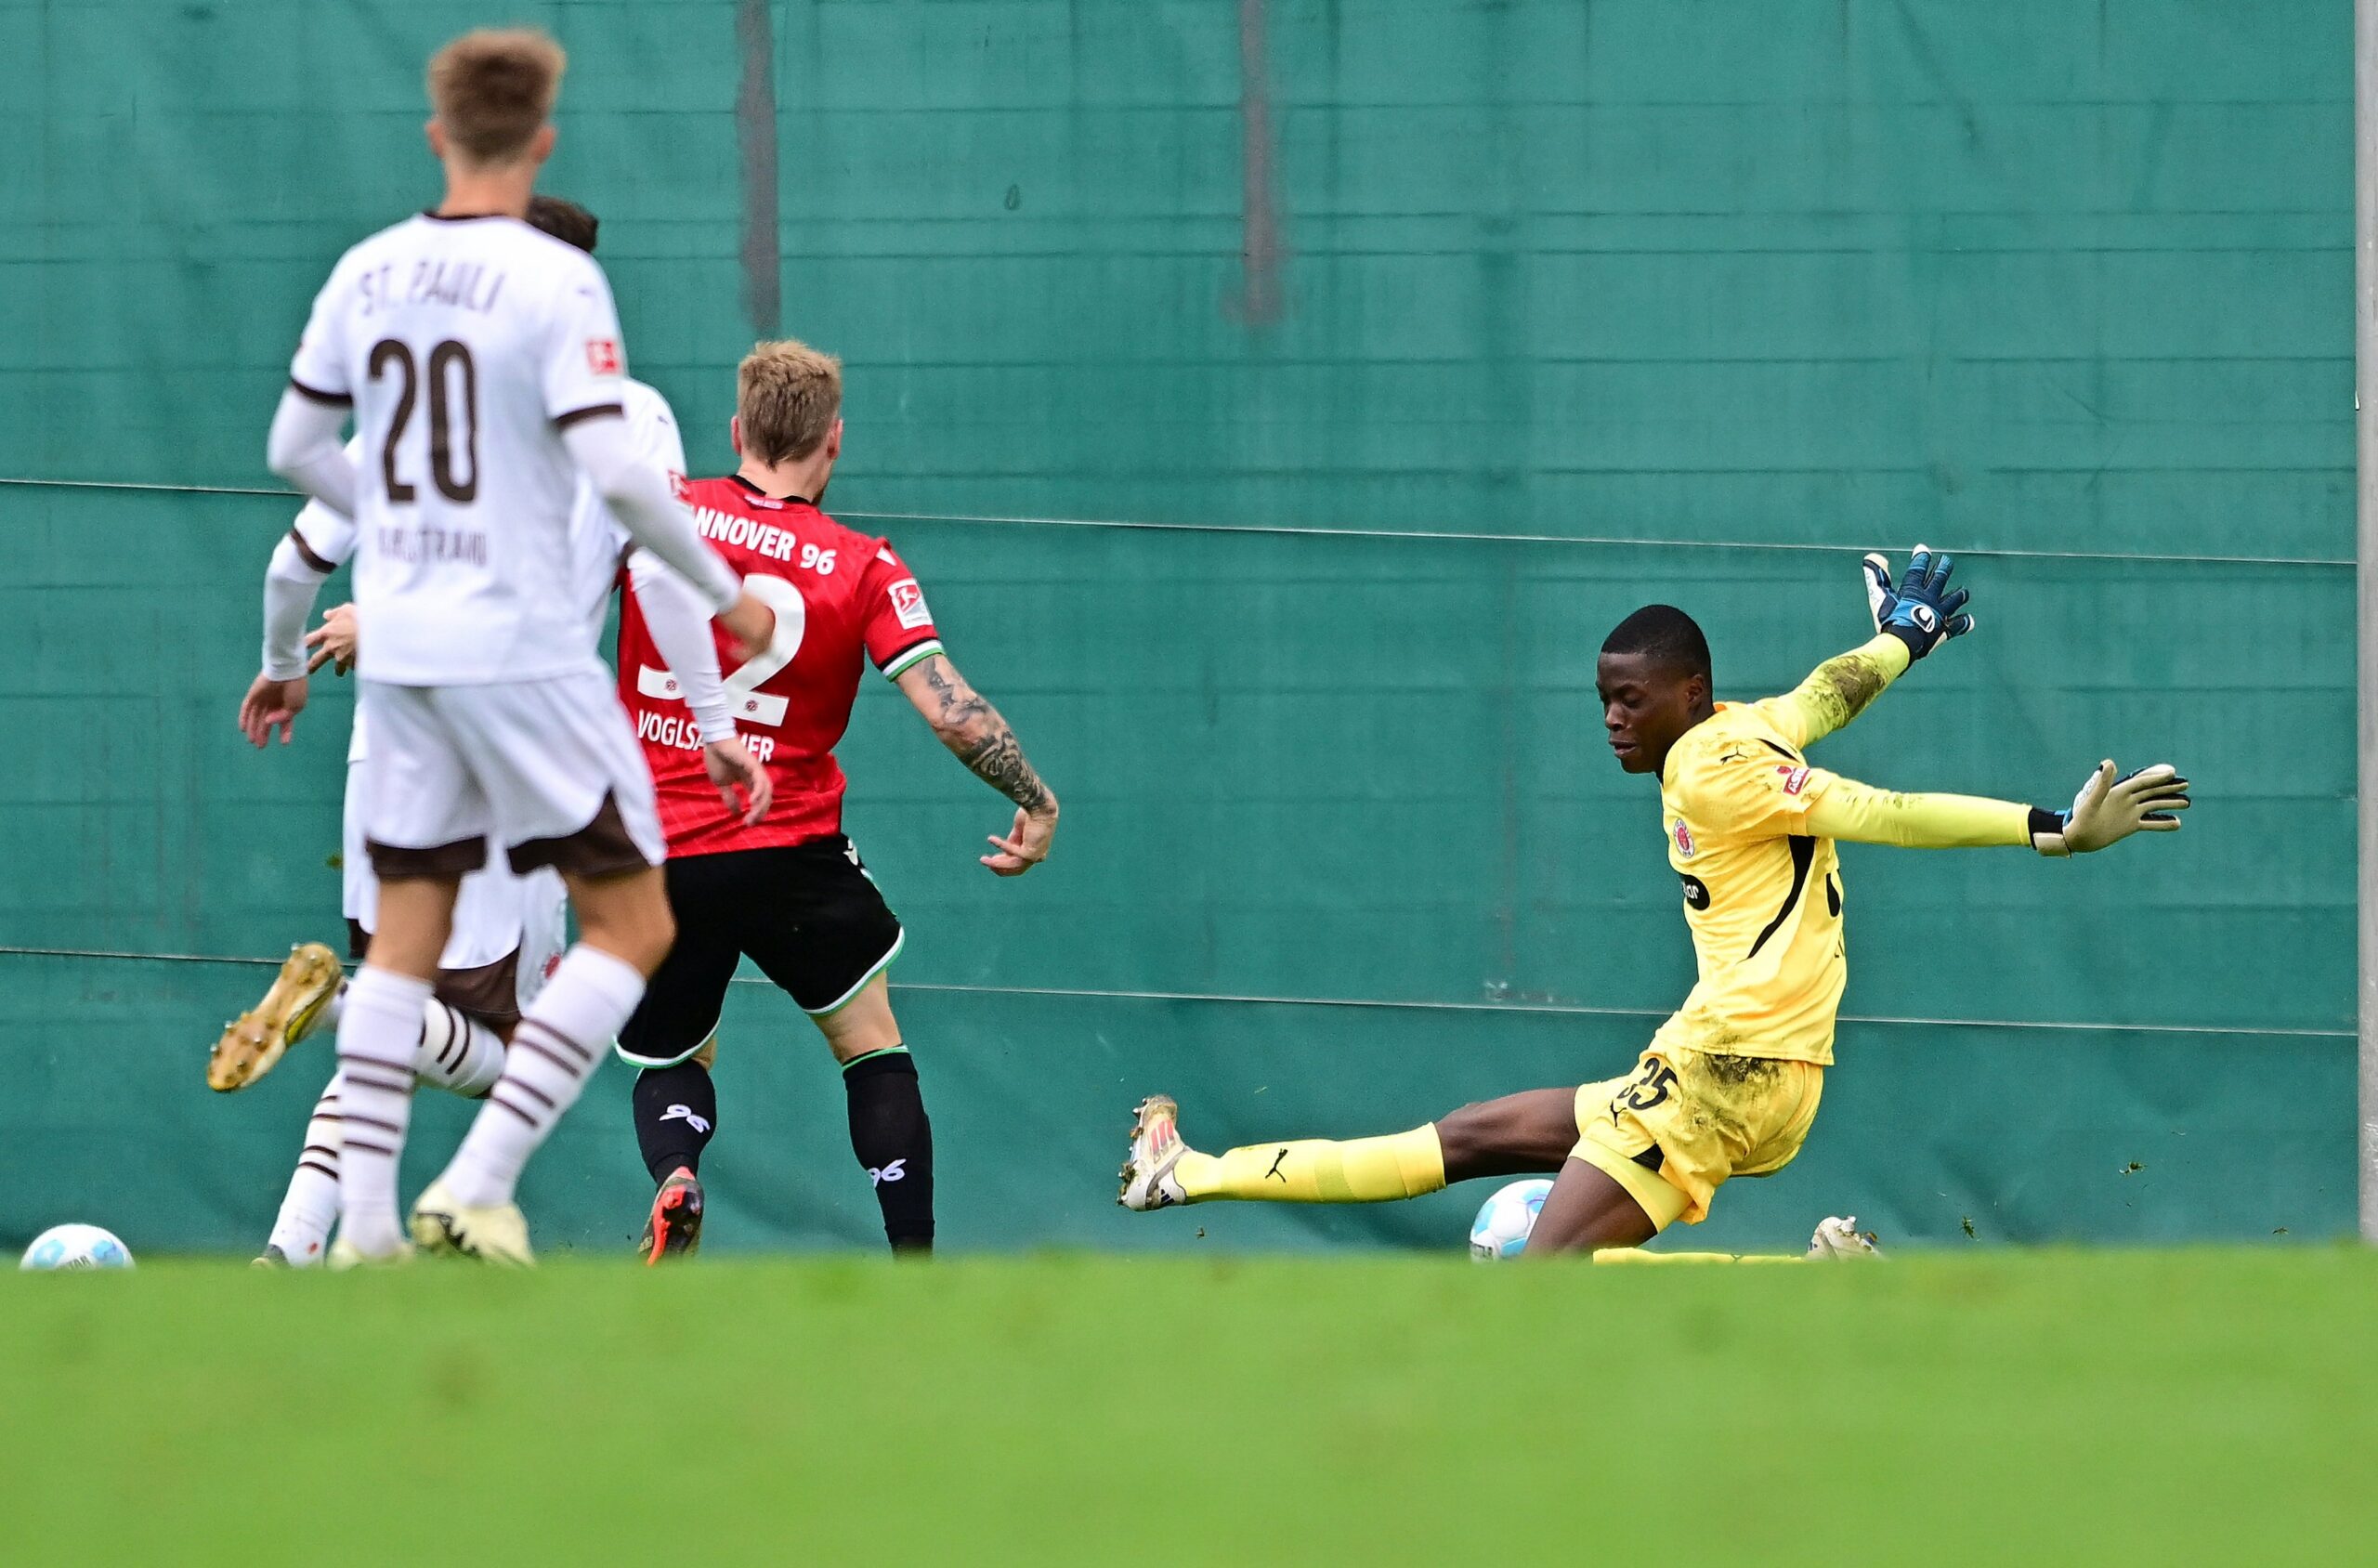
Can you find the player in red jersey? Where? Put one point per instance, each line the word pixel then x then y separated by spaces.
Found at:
pixel 790 891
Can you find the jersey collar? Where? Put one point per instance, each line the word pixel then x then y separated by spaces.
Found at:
pixel 788 499
pixel 1667 761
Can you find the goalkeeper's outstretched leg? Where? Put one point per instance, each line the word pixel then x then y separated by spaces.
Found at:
pixel 1516 1135
pixel 1633 1155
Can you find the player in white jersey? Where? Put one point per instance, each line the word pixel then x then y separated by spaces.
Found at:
pixel 483 363
pixel 507 927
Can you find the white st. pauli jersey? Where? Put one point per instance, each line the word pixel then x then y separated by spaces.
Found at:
pixel 466 345
pixel 597 539
pixel 599 542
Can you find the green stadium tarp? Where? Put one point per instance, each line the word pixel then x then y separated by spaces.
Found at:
pixel 1511 317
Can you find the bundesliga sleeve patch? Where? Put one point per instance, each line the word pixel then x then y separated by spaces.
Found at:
pixel 1794 779
pixel 680 487
pixel 603 354
pixel 908 604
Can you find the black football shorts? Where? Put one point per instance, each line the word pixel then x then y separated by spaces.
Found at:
pixel 807 914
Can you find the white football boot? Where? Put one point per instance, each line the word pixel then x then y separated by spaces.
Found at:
pixel 345 1255
pixel 1148 1182
pixel 495 1233
pixel 1842 1238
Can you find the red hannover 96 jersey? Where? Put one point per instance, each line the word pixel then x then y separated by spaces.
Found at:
pixel 838 596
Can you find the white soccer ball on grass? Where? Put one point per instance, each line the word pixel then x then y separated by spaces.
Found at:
pixel 1500 1231
pixel 76 1246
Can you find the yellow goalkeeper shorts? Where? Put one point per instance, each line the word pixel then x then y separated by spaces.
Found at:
pixel 1674 1129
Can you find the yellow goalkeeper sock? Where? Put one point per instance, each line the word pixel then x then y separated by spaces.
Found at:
pixel 1319 1170
pixel 1637 1255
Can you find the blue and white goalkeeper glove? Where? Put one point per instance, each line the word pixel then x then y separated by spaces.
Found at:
pixel 1921 612
pixel 2108 810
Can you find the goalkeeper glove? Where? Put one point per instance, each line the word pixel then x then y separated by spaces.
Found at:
pixel 2108 810
pixel 1921 612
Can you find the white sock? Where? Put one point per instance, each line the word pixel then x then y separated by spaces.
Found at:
pixel 458 1053
pixel 559 1043
pixel 378 1033
pixel 310 1210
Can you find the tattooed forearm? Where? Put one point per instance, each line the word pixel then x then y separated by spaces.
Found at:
pixel 997 761
pixel 958 705
pixel 973 729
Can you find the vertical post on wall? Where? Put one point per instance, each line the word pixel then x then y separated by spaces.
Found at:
pixel 1259 252
pixel 755 142
pixel 2365 382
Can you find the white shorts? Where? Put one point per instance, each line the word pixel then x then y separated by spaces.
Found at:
pixel 547 771
pixel 509 929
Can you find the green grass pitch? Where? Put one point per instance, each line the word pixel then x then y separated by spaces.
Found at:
pixel 2201 1406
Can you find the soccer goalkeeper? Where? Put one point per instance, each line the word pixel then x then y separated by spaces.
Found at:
pixel 1730 1084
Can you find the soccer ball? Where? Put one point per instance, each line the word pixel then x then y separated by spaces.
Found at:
pixel 1500 1230
pixel 76 1246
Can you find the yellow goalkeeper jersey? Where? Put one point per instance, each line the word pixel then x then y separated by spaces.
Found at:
pixel 1762 895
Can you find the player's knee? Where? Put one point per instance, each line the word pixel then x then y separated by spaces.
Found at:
pixel 638 931
pixel 1527 1131
pixel 640 946
pixel 660 930
pixel 1481 1121
pixel 649 943
pixel 1463 1137
pixel 860 1031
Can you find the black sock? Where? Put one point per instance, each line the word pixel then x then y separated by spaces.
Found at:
pixel 894 1141
pixel 676 1110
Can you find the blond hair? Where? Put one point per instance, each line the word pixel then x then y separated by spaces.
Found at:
pixel 787 394
pixel 490 89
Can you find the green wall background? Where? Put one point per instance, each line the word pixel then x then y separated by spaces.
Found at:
pixel 1290 571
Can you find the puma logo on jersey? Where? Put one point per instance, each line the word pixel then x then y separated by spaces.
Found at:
pixel 686 1115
